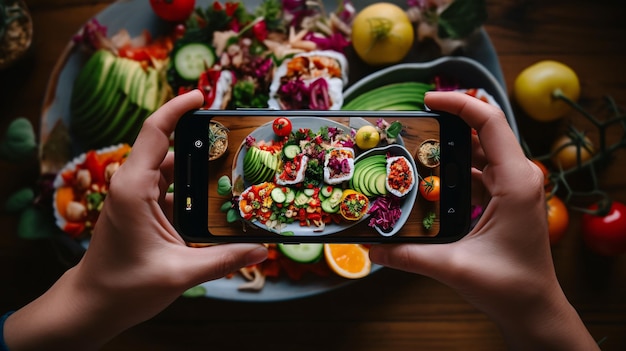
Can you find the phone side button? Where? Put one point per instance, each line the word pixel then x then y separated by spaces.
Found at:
pixel 452 175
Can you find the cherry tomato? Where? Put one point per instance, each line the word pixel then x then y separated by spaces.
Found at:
pixel 173 10
pixel 536 86
pixel 566 150
pixel 282 126
pixel 606 235
pixel 430 188
pixel 558 219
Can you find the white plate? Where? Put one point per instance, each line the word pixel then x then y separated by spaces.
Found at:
pixel 136 16
pixel 265 132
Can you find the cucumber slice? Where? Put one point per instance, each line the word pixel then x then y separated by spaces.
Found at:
pixel 329 207
pixel 278 195
pixel 309 192
pixel 192 59
pixel 326 190
pixel 301 199
pixel 335 197
pixel 302 253
pixel 291 151
pixel 291 195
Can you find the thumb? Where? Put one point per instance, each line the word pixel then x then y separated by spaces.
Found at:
pixel 214 262
pixel 425 259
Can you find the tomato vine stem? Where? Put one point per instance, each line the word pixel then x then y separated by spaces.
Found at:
pixel 560 178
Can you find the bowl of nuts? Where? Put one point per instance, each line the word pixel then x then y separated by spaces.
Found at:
pixel 218 140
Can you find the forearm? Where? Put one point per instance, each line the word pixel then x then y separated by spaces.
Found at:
pixel 66 317
pixel 548 322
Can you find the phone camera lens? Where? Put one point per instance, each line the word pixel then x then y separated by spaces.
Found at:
pixel 198 143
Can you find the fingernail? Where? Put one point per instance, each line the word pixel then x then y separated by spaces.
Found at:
pixel 256 255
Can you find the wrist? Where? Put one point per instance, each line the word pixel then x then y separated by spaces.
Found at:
pixel 67 316
pixel 544 320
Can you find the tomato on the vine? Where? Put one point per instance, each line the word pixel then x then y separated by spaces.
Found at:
pixel 430 188
pixel 173 10
pixel 567 149
pixel 558 218
pixel 606 235
pixel 282 126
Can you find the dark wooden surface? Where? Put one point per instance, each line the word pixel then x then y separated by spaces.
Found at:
pixel 390 310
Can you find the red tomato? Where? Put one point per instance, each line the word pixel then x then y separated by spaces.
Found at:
pixel 606 235
pixel 558 219
pixel 173 10
pixel 430 187
pixel 282 126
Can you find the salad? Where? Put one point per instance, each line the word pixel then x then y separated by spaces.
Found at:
pixel 284 54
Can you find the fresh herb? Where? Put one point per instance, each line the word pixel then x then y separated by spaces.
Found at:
pixel 245 95
pixel 314 173
pixel 429 220
pixel 271 11
pixel 223 186
pixel 394 129
pixel 461 18
pixel 19 142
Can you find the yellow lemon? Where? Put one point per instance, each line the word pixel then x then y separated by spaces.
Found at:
pixel 367 137
pixel 348 260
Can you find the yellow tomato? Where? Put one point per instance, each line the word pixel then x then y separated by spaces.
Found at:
pixel 367 137
pixel 382 34
pixel 570 151
pixel 536 86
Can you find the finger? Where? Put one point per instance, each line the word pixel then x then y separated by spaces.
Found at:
pixel 480 195
pixel 167 204
pixel 152 142
pixel 213 262
pixel 496 136
pixel 167 168
pixel 479 160
pixel 424 259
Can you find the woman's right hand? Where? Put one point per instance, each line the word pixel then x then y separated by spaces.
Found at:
pixel 504 265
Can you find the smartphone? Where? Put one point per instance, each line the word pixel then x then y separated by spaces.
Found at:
pixel 272 176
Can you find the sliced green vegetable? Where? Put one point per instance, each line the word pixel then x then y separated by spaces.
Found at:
pixel 278 195
pixel 302 253
pixel 396 96
pixel 192 59
pixel 291 151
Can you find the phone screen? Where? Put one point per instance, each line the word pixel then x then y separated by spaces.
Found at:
pixel 324 177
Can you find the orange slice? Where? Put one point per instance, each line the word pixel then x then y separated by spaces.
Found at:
pixel 348 260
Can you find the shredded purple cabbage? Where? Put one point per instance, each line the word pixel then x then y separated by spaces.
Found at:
pixel 339 166
pixel 250 140
pixel 445 84
pixel 336 42
pixel 295 94
pixel 319 98
pixel 385 212
pixel 91 35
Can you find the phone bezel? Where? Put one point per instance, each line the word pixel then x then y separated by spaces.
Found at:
pixel 455 206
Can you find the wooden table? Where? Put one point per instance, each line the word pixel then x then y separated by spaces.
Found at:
pixel 390 310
